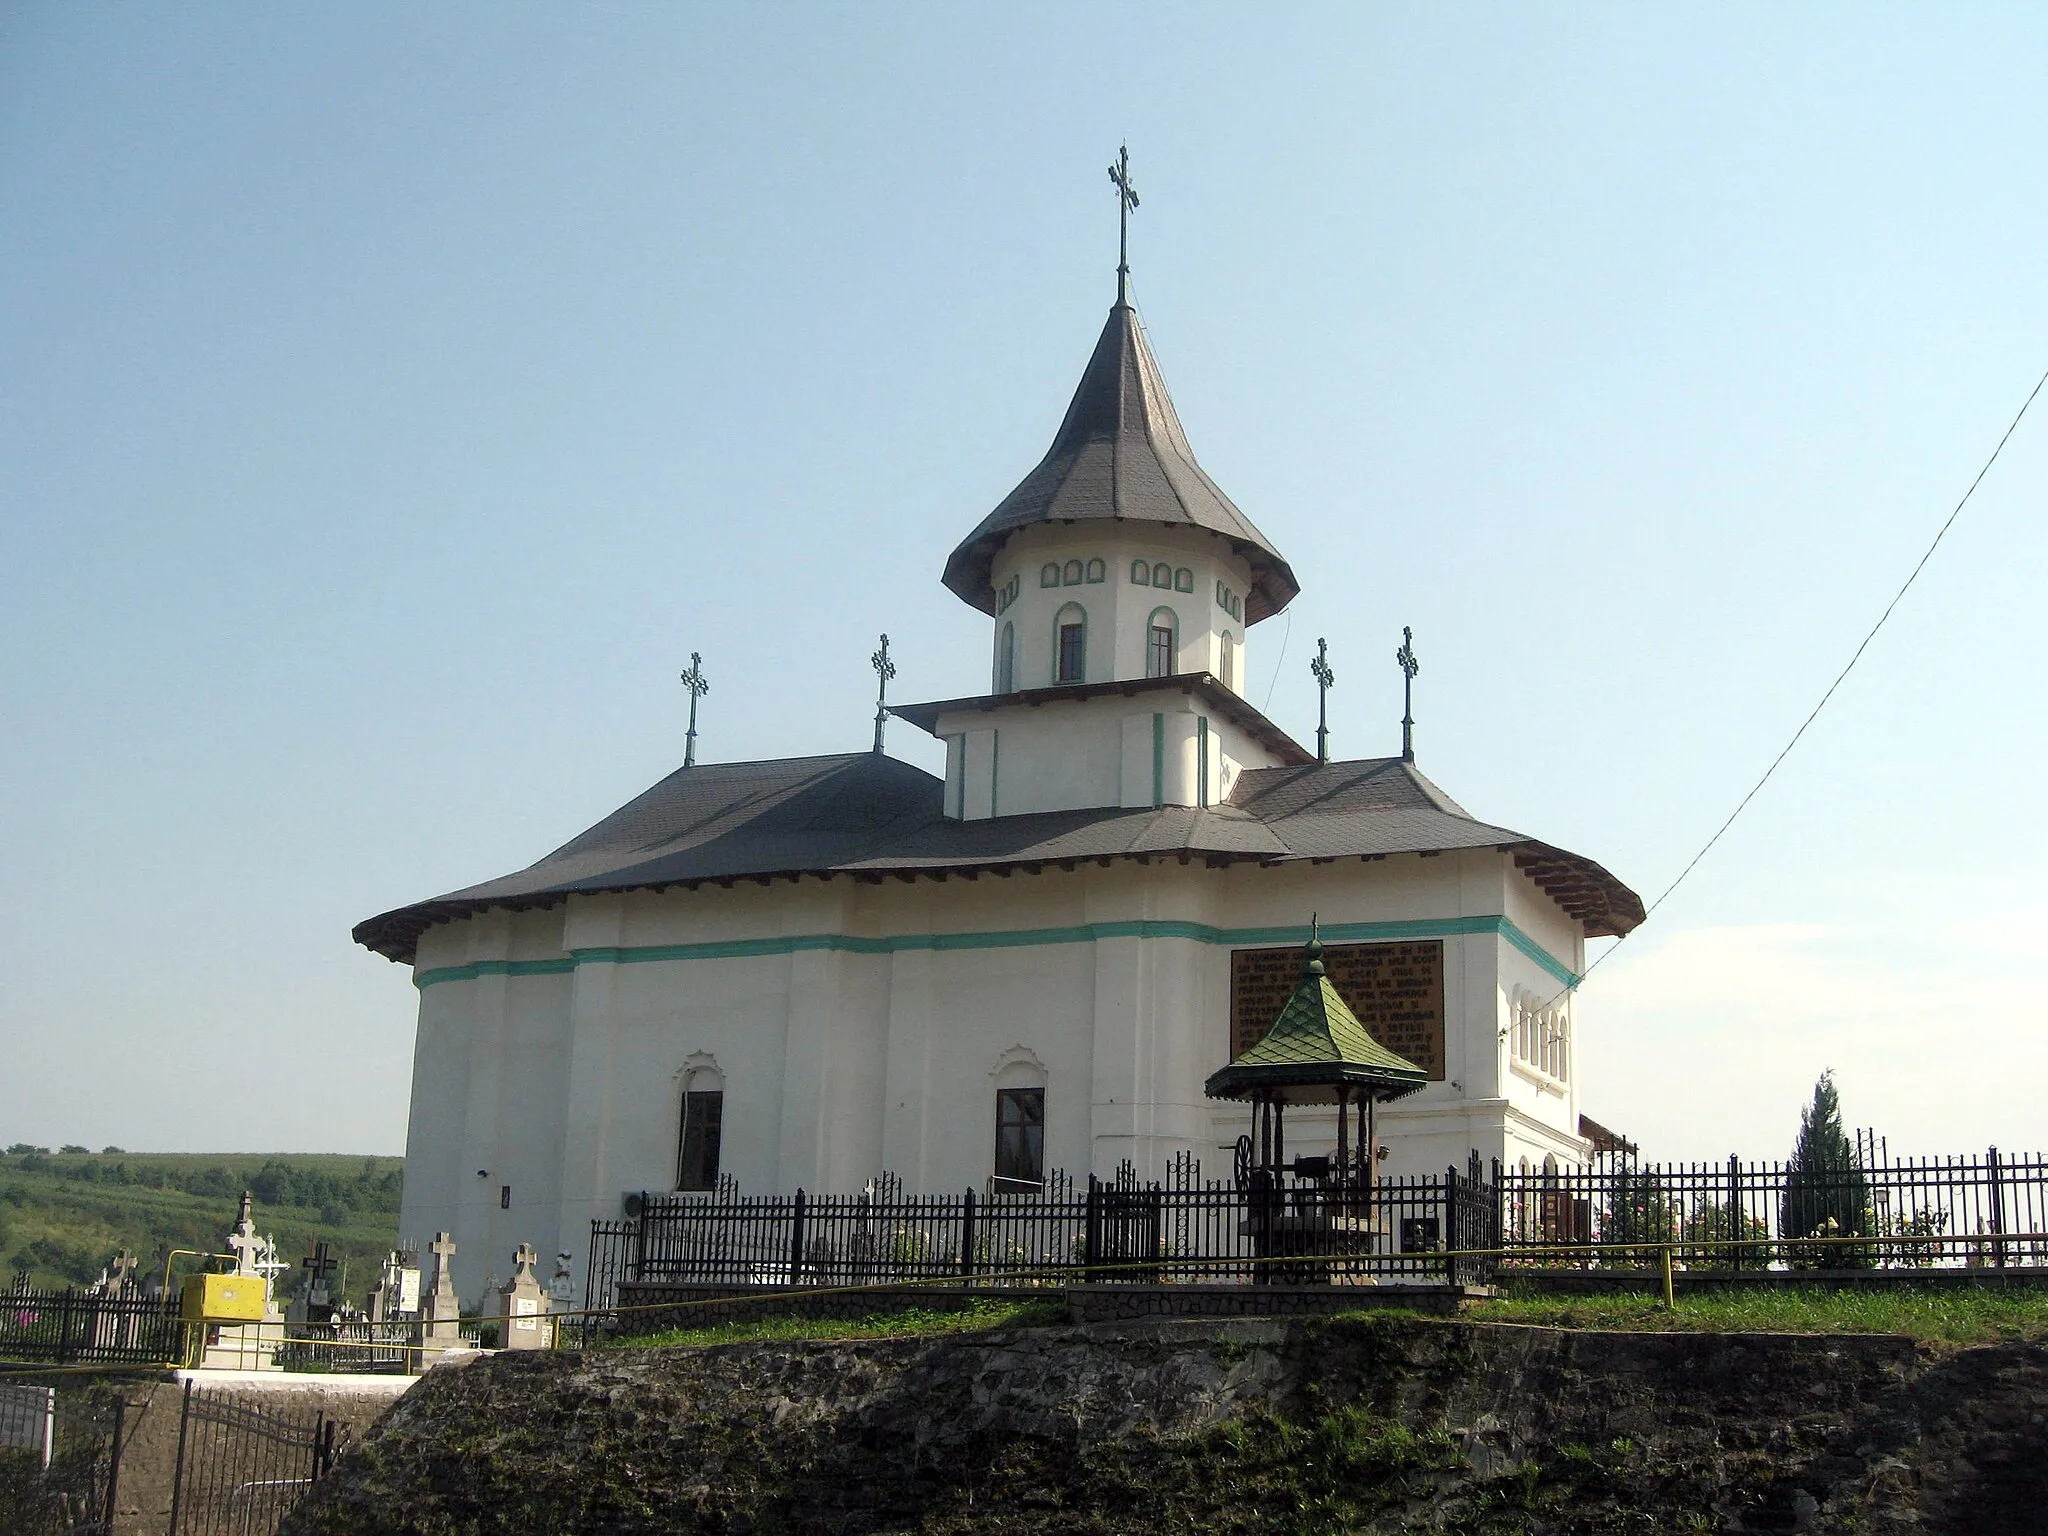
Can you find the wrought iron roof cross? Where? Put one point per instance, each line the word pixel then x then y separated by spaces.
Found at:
pixel 1409 667
pixel 884 670
pixel 694 681
pixel 1319 669
pixel 1126 201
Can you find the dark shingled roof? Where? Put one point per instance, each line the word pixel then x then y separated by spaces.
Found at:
pixel 871 817
pixel 1121 454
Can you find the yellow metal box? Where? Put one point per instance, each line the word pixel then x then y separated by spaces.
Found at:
pixel 222 1299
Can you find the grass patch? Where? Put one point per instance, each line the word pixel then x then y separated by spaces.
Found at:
pixel 1034 1312
pixel 1941 1316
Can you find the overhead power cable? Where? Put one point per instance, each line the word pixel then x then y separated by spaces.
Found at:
pixel 1841 677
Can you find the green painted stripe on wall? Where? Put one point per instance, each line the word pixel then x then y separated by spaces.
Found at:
pixel 1021 938
pixel 478 968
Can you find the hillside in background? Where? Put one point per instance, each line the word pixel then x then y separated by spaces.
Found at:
pixel 64 1215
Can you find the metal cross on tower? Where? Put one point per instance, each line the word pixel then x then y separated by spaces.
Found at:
pixel 884 670
pixel 694 681
pixel 1325 680
pixel 1126 200
pixel 1409 667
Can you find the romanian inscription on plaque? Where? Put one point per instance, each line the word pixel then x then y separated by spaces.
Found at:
pixel 1397 991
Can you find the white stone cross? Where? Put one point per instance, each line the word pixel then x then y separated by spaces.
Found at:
pixel 247 1245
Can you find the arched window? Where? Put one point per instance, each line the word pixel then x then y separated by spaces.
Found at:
pixel 703 1123
pixel 1070 645
pixel 1228 661
pixel 1006 660
pixel 1020 1140
pixel 1141 574
pixel 1097 570
pixel 1049 574
pixel 1020 1123
pixel 1162 576
pixel 1183 580
pixel 1162 633
pixel 1071 576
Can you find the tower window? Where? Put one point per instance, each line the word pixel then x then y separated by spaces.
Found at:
pixel 1159 652
pixel 1160 633
pixel 1071 576
pixel 1162 575
pixel 703 1120
pixel 1049 575
pixel 1183 580
pixel 1229 661
pixel 1097 570
pixel 1070 645
pixel 1020 1139
pixel 1006 661
pixel 1141 574
pixel 1073 652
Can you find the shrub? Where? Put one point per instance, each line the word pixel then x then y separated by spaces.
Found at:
pixel 1826 1193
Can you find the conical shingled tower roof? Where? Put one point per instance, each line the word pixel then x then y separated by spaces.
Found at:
pixel 1120 454
pixel 1316 1043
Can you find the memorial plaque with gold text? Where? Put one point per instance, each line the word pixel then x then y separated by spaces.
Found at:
pixel 1397 991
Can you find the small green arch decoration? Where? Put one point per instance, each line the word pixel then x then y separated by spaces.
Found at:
pixel 1071 576
pixel 1049 575
pixel 1141 574
pixel 1097 571
pixel 1183 580
pixel 1162 575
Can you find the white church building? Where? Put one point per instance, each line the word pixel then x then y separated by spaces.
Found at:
pixel 805 972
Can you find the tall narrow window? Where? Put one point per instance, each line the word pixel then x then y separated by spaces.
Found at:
pixel 1020 1139
pixel 1070 633
pixel 1159 643
pixel 703 1119
pixel 1006 661
pixel 1229 661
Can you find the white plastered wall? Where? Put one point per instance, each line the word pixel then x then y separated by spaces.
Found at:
pixel 1119 610
pixel 1160 747
pixel 881 1049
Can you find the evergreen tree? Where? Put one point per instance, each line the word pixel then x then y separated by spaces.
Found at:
pixel 1826 1194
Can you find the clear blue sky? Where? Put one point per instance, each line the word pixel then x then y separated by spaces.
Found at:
pixel 392 397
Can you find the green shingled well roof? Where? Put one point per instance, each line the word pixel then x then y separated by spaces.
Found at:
pixel 1317 1039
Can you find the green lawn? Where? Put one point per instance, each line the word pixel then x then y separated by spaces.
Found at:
pixel 1952 1317
pixel 1959 1316
pixel 63 1216
pixel 1033 1312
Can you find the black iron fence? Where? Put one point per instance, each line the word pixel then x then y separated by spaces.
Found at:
pixel 80 1326
pixel 1122 1229
pixel 1917 1213
pixel 241 1469
pixel 1461 1226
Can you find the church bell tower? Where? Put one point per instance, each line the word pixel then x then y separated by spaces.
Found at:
pixel 1121 582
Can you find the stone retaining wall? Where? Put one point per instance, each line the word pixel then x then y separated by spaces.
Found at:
pixel 1383 1424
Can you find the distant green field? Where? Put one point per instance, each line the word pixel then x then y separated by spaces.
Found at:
pixel 64 1215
